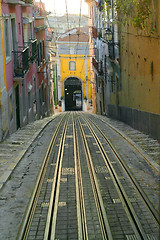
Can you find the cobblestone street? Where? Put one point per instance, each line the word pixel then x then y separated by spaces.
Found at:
pixel 22 156
pixel 79 120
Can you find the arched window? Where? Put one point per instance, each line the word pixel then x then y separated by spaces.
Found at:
pixel 72 66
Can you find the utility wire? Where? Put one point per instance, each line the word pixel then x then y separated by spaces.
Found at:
pixel 68 24
pixel 79 26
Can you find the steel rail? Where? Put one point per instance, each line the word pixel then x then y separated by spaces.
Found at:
pixel 105 228
pixel 26 222
pixel 147 159
pixel 81 214
pixel 53 203
pixel 139 232
pixel 147 202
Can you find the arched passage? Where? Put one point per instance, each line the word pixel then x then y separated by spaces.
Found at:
pixel 73 94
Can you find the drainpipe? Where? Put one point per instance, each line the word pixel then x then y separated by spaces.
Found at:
pixel 3 46
pixel 4 66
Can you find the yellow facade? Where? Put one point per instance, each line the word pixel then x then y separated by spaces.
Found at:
pixel 140 68
pixel 78 73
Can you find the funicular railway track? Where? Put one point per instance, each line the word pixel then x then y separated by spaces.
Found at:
pixel 81 194
pixel 26 224
pixel 130 142
pixel 140 231
pixel 124 165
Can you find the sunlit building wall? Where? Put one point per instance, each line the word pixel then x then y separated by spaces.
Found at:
pixel 73 61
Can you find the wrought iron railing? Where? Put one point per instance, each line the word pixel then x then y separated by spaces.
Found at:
pixel 33 53
pixel 98 66
pixel 28 1
pixel 94 32
pixel 95 63
pixel 18 2
pixel 34 50
pixel 21 61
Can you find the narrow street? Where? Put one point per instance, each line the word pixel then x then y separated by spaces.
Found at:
pixel 79 120
pixel 77 175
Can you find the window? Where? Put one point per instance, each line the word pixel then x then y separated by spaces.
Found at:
pixel 24 98
pixel 30 30
pixel 25 31
pixel 40 54
pixel 43 51
pixel 72 66
pixel 7 38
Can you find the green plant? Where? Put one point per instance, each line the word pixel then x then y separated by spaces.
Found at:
pixel 138 12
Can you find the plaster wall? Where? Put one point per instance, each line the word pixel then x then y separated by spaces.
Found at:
pixel 140 65
pixel 80 72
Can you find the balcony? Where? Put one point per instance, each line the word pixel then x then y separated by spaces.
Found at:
pixel 40 28
pixel 94 32
pixel 21 61
pixel 33 52
pixel 28 1
pixel 95 64
pixel 98 66
pixel 22 2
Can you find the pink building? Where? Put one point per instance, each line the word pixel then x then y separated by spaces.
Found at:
pixel 45 78
pixel 20 60
pixel 25 62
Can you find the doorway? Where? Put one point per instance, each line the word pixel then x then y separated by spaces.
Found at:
pixel 73 94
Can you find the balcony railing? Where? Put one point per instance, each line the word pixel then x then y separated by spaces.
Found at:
pixel 95 64
pixel 21 61
pixel 20 1
pixel 94 32
pixel 33 53
pixel 34 50
pixel 98 66
pixel 28 1
pixel 96 52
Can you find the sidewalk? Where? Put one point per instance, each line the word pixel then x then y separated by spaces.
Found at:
pixel 15 146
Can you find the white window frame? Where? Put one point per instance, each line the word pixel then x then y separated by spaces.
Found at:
pixel 7 39
pixel 72 66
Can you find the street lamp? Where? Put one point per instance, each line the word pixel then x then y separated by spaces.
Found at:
pixel 108 35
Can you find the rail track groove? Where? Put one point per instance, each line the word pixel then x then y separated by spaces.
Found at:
pixel 154 213
pixel 82 166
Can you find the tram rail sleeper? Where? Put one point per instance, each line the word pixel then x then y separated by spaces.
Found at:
pixel 136 184
pixel 141 233
pixel 24 227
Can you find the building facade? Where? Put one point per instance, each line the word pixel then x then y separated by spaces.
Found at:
pixel 73 69
pixel 126 65
pixel 18 29
pixel 139 98
pixel 21 55
pixel 93 26
pixel 3 83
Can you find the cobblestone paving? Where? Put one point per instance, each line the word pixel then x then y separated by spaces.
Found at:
pixel 144 141
pixel 20 160
pixel 15 146
pixel 17 187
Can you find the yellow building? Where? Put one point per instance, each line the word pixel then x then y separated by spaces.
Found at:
pixel 139 97
pixel 73 69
